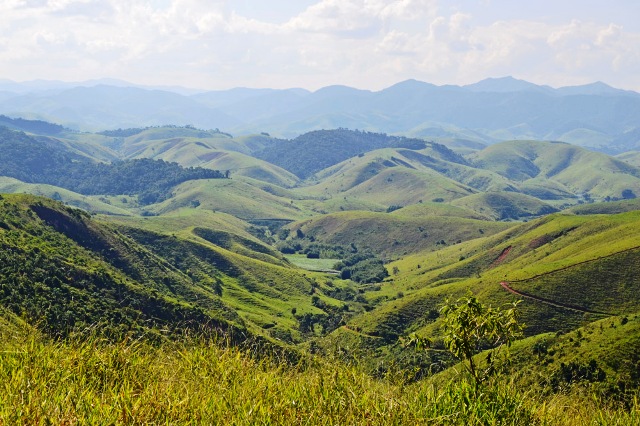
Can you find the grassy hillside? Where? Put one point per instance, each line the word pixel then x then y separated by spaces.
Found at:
pixel 572 270
pixel 358 169
pixel 384 178
pixel 393 235
pixel 632 158
pixel 231 196
pixel 182 221
pixel 318 150
pixel 65 271
pixel 404 187
pixel 243 165
pixel 601 355
pixel 504 205
pixel 382 172
pixel 132 382
pixel 438 209
pixel 47 161
pixel 613 207
pixel 562 164
pixel 88 203
pixel 196 148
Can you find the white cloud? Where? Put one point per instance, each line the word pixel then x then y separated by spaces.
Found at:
pixel 365 43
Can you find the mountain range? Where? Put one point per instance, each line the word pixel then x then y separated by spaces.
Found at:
pixel 596 115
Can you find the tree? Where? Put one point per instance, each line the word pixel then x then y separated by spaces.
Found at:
pixel 470 326
pixel 628 194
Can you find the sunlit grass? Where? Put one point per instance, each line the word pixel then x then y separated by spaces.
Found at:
pixel 301 261
pixel 201 382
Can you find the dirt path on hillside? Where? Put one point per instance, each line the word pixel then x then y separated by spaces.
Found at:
pixel 510 289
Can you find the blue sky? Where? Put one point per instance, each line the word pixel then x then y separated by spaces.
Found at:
pixel 369 44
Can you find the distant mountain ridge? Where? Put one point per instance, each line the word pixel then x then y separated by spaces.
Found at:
pixel 595 115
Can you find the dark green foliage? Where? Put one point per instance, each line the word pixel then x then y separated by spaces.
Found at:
pixel 62 272
pixel 123 133
pixel 31 126
pixel 345 294
pixel 333 318
pixel 575 372
pixel 43 160
pixel 317 150
pixel 362 268
pixel 305 245
pixel 628 194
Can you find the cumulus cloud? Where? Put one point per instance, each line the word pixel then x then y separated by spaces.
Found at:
pixel 365 43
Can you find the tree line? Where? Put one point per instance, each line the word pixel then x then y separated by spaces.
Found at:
pixel 45 160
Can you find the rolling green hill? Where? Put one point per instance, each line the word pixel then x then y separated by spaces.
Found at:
pixel 504 205
pixel 572 270
pixel 92 204
pixel 231 196
pixel 315 151
pixel 400 177
pixel 393 235
pixel 191 147
pixel 64 272
pixel 562 164
pixel 632 158
pixel 612 207
pixel 437 209
pixel 42 160
pixel 404 187
pixel 545 258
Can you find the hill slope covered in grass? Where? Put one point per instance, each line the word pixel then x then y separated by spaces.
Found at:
pixel 159 293
pixel 392 235
pixel 196 379
pixel 314 151
pixel 504 205
pixel 38 160
pixel 65 272
pixel 356 171
pixel 571 270
pixel 564 164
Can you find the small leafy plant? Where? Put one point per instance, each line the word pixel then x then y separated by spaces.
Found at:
pixel 471 326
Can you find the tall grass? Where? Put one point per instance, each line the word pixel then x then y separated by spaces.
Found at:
pixel 198 382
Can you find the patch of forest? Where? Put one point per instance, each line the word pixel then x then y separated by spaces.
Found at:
pixel 44 160
pixel 317 150
pixel 32 126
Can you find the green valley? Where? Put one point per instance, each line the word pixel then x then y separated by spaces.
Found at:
pixel 170 274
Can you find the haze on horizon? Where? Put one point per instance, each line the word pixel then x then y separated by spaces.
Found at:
pixel 368 44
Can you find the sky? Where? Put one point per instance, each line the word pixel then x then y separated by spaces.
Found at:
pixel 367 44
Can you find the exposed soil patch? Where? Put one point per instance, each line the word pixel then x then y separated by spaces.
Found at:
pixel 501 258
pixel 547 238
